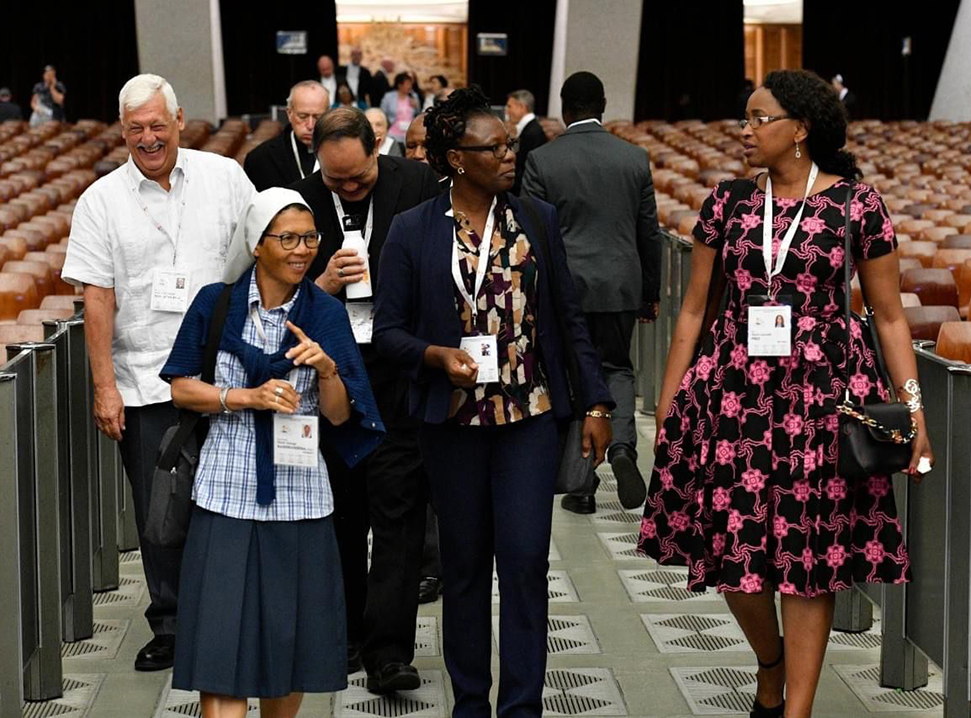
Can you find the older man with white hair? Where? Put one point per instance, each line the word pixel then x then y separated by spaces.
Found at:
pixel 289 157
pixel 144 239
pixel 379 123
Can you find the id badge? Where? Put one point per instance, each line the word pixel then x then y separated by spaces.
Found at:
pixel 170 291
pixel 484 351
pixel 769 327
pixel 361 315
pixel 295 441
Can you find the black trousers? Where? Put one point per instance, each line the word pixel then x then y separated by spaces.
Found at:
pixel 144 427
pixel 388 493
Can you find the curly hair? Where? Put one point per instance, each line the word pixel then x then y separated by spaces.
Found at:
pixel 445 124
pixel 806 96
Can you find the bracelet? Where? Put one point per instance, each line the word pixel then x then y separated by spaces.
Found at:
pixel 597 414
pixel 223 393
pixel 914 403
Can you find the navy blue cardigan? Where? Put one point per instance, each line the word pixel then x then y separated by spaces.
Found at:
pixel 415 308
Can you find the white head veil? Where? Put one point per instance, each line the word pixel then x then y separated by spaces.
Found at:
pixel 253 222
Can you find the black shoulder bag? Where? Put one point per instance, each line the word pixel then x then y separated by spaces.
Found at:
pixel 874 439
pixel 574 470
pixel 170 503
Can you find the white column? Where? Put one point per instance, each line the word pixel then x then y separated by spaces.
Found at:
pixel 183 44
pixel 952 99
pixel 602 37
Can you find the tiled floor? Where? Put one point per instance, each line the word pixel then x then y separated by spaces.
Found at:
pixel 625 639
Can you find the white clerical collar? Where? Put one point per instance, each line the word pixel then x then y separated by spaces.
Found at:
pixel 584 122
pixel 843 93
pixel 177 171
pixel 386 145
pixel 521 125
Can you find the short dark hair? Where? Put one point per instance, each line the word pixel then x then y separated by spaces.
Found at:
pixel 400 78
pixel 344 122
pixel 442 79
pixel 445 124
pixel 583 93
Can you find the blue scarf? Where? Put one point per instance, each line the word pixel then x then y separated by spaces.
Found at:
pixel 323 319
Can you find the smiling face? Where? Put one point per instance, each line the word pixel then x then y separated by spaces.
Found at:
pixel 152 137
pixel 286 266
pixel 482 168
pixel 347 169
pixel 774 141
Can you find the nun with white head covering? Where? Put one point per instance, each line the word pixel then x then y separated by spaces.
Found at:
pixel 261 601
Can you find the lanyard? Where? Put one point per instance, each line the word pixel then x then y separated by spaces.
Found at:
pixel 258 324
pixel 296 156
pixel 368 225
pixel 780 259
pixel 158 225
pixel 480 270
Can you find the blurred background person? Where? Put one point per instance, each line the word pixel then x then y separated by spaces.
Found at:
pixel 47 98
pixel 9 110
pixel 400 106
pixel 519 111
pixel 386 145
pixel 347 98
pixel 357 77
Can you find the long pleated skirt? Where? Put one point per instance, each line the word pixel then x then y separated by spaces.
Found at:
pixel 261 608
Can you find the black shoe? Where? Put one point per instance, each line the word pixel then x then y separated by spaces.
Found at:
pixel 579 503
pixel 354 663
pixel 157 655
pixel 429 589
pixel 630 484
pixel 394 677
pixel 759 710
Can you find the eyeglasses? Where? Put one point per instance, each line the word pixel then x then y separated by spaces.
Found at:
pixel 290 240
pixel 756 121
pixel 498 151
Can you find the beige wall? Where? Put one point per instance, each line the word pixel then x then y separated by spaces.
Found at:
pixel 602 37
pixel 952 100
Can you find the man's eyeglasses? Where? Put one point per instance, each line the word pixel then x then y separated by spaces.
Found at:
pixel 757 121
pixel 290 240
pixel 498 151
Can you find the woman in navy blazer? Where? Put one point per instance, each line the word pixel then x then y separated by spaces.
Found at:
pixel 490 447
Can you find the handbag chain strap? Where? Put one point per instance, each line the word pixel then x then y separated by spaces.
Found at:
pixel 847 408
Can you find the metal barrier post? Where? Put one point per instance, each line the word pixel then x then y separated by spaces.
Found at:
pixel 105 513
pixel 127 528
pixel 647 365
pixel 663 318
pixel 853 612
pixel 11 628
pixel 37 458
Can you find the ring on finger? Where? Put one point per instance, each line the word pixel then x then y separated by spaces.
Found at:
pixel 278 391
pixel 340 272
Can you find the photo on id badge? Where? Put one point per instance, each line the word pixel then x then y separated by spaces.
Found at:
pixel 769 325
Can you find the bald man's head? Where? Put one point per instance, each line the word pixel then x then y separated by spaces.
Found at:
pixel 415 140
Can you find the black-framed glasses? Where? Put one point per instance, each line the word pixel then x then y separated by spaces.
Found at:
pixel 290 240
pixel 756 121
pixel 498 151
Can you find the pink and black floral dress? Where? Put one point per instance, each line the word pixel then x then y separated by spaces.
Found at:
pixel 745 490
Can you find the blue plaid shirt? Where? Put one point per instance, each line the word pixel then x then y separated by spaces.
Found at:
pixel 225 480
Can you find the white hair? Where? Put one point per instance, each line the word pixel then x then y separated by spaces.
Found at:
pixel 311 84
pixel 141 89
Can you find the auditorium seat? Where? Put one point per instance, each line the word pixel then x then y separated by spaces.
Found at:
pixel 61 301
pixel 909 263
pixel 923 252
pixel 925 322
pixel 907 299
pixel 951 259
pixel 39 316
pixel 960 221
pixel 957 241
pixel 954 341
pixel 19 333
pixel 935 287
pixel 17 292
pixel 16 246
pixel 40 271
pixel 963 278
pixel 936 234
pixel 913 226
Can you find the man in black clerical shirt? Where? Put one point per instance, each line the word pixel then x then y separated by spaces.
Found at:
pixel 358 188
pixel 288 157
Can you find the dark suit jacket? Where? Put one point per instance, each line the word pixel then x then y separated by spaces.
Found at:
pixel 402 184
pixel 10 111
pixel 380 84
pixel 531 138
pixel 415 308
pixel 363 83
pixel 603 192
pixel 272 163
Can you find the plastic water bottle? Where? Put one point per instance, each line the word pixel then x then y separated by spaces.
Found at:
pixel 353 239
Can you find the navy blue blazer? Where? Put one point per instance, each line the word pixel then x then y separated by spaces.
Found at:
pixel 415 308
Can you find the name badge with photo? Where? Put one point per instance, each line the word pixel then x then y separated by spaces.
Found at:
pixel 295 441
pixel 361 315
pixel 170 291
pixel 769 327
pixel 484 351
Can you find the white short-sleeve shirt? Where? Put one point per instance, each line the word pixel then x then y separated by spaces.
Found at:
pixel 126 226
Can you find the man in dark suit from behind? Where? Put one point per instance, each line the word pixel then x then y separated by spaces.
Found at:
pixel 357 77
pixel 388 491
pixel 520 106
pixel 604 197
pixel 9 110
pixel 288 157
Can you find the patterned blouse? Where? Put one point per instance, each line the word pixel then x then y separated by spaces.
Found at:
pixel 506 308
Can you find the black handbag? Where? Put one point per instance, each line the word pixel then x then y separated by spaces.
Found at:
pixel 874 439
pixel 170 502
pixel 574 472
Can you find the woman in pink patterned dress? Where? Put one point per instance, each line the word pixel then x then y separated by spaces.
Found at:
pixel 745 490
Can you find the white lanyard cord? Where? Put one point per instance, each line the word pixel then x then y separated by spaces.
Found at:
pixel 368 225
pixel 258 324
pixel 296 156
pixel 184 186
pixel 480 271
pixel 767 228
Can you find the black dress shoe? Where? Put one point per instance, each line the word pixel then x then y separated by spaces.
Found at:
pixel 579 503
pixel 394 677
pixel 630 484
pixel 354 663
pixel 429 589
pixel 157 655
